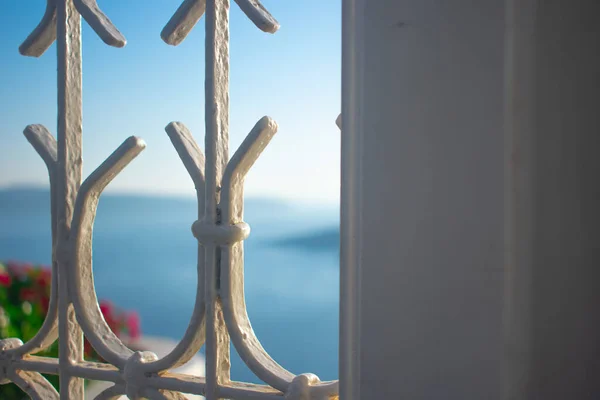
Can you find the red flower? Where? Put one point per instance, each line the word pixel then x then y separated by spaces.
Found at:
pixel 112 324
pixel 44 278
pixel 36 287
pixel 108 312
pixel 133 325
pixel 87 349
pixel 45 303
pixel 27 294
pixel 5 279
pixel 106 308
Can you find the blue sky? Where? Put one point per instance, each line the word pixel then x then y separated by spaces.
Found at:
pixel 293 76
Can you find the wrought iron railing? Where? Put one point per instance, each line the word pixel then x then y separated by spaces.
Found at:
pixel 219 316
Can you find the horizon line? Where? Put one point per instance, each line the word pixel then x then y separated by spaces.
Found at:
pixel 178 195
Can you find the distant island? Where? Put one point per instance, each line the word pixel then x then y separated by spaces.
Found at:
pixel 324 240
pixel 135 213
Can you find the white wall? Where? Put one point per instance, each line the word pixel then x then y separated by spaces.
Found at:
pixel 427 148
pixel 553 193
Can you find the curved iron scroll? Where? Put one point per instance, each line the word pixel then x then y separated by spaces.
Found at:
pixel 219 314
pixel 221 230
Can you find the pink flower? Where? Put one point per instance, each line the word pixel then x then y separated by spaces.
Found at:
pixel 12 265
pixel 106 308
pixel 16 270
pixel 133 325
pixel 108 312
pixel 5 279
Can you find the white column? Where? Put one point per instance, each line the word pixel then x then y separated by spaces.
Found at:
pixel 422 199
pixel 553 196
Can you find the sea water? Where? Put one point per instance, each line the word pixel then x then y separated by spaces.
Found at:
pixel 144 259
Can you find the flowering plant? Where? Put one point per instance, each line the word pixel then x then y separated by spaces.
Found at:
pixel 24 302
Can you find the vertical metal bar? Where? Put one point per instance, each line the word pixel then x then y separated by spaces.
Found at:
pixel 217 155
pixel 351 198
pixel 68 179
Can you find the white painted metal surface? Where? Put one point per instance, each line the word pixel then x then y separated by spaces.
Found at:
pixel 161 347
pixel 421 291
pixel 552 224
pixel 219 314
